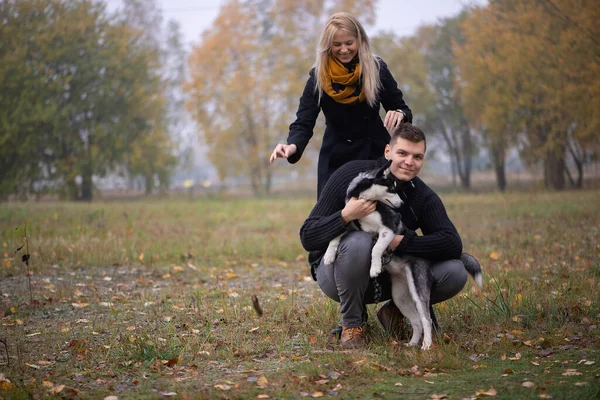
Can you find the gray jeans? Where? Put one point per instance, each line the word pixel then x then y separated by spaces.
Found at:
pixel 347 280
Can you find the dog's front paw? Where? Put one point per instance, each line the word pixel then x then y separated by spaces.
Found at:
pixel 375 270
pixel 329 257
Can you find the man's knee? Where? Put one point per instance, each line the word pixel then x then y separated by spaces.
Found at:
pixel 449 279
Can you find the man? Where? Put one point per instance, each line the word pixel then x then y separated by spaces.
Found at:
pixel 347 279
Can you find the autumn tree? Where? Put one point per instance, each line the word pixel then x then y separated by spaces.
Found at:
pixel 77 92
pixel 532 77
pixel 247 75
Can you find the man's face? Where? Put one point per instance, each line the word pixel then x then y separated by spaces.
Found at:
pixel 407 158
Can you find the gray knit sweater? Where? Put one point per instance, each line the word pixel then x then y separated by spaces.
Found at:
pixel 422 209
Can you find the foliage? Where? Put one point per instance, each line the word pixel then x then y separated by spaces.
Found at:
pixel 79 93
pixel 531 76
pixel 247 75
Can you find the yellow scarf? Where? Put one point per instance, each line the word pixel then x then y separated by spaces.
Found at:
pixel 348 85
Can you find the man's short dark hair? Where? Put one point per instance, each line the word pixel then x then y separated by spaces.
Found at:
pixel 409 132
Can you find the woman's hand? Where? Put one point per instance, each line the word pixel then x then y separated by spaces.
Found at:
pixel 282 151
pixel 393 118
pixel 357 209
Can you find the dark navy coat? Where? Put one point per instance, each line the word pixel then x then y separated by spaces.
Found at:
pixel 353 131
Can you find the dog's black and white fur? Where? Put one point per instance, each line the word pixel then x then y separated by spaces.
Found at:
pixel 411 276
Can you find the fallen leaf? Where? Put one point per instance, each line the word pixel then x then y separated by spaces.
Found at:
pixel 571 372
pixel 439 396
pixel 111 398
pixel 263 396
pixel 528 384
pixel 495 255
pixel 546 353
pixel 168 394
pixel 262 381
pixel 333 374
pixel 223 387
pixel 485 393
pixel 47 384
pixel 322 381
pixel 317 394
pixel 516 357
pixel 172 362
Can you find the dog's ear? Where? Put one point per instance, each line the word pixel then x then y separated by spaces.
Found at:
pixel 384 170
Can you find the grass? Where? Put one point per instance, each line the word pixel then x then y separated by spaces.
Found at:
pixel 145 300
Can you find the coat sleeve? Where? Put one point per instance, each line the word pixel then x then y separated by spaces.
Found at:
pixel 390 95
pixel 301 130
pixel 440 240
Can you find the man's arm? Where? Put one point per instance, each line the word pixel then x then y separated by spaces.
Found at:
pixel 331 214
pixel 440 240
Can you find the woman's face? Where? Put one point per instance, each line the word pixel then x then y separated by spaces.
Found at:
pixel 344 46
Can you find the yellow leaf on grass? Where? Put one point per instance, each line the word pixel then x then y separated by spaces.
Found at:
pixel 223 386
pixel 317 394
pixel 6 385
pixel 263 396
pixel 528 384
pixel 262 381
pixel 495 255
pixel 231 275
pixel 58 389
pixel 141 257
pixel 484 393
pixel 48 384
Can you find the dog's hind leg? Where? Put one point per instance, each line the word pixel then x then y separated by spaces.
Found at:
pixel 332 250
pixel 384 239
pixel 403 299
pixel 419 285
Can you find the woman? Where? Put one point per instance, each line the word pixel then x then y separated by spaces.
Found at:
pixel 348 83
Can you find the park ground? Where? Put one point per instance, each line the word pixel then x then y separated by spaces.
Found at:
pixel 154 299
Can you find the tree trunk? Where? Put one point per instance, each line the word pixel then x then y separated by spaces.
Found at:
pixel 149 184
pixel 554 170
pixel 498 159
pixel 87 185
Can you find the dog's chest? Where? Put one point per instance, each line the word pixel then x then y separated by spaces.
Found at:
pixel 372 222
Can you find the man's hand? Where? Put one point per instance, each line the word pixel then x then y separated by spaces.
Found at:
pixel 396 242
pixel 282 151
pixel 357 209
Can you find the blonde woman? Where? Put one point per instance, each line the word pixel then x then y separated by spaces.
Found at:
pixel 349 83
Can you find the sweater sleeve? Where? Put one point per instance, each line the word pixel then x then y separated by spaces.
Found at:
pixel 440 240
pixel 301 130
pixel 391 96
pixel 325 220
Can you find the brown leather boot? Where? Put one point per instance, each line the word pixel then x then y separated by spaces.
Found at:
pixel 353 338
pixel 392 321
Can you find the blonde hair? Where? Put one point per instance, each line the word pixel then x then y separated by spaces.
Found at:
pixel 369 67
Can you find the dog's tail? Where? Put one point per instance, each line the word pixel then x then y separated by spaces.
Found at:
pixel 473 268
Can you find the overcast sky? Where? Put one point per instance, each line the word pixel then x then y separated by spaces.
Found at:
pixel 401 16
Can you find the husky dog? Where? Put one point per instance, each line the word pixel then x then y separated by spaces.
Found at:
pixel 373 185
pixel 411 276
